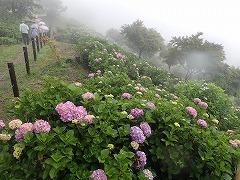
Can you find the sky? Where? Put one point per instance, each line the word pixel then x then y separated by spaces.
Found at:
pixel 217 19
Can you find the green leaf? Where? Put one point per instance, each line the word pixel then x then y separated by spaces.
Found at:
pixel 59 130
pixel 101 107
pixel 57 156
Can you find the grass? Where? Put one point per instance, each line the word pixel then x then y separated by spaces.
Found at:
pixel 45 65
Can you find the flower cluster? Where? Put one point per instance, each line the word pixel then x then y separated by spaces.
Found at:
pixel 201 103
pixel 145 128
pixel 91 75
pixel 135 145
pixel 89 118
pixel 98 59
pixel 148 174
pixel 41 126
pixel 17 150
pixel 191 111
pixel 126 96
pixel 137 112
pixel 68 111
pixel 173 96
pixel 150 105
pixel 98 175
pixel 88 95
pixel 142 159
pixel 235 142
pixel 137 134
pixel 202 123
pixel 2 124
pixel 119 55
pixel 5 137
pixel 22 130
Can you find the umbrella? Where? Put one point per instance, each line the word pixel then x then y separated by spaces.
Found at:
pixel 43 27
pixel 37 20
pixel 41 23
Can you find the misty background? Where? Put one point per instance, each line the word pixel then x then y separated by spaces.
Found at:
pixel 216 19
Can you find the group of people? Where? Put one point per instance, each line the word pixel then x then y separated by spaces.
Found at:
pixel 34 31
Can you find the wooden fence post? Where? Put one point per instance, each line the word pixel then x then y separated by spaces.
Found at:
pixel 25 51
pixel 40 36
pixel 13 79
pixel 37 42
pixel 34 49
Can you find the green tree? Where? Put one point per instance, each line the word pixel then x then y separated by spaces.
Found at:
pixel 115 35
pixel 142 39
pixel 19 8
pixel 53 8
pixel 194 54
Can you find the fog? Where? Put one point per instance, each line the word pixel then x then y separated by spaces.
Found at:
pixel 216 19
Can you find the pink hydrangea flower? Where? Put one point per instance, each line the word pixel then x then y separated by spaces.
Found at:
pixel 203 104
pixel 191 111
pixel 136 112
pixel 126 96
pixel 22 130
pixel 142 159
pixel 41 126
pixel 88 95
pixel 2 124
pixel 145 128
pixel 173 96
pixel 197 100
pixel 233 143
pixel 202 123
pixel 229 131
pixel 137 134
pixel 98 175
pixel 91 75
pixel 68 111
pixel 148 174
pixel 89 118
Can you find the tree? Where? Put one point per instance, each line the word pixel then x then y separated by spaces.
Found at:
pixel 19 8
pixel 115 35
pixel 194 54
pixel 53 8
pixel 142 39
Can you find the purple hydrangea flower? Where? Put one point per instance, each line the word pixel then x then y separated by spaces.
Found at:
pixel 202 123
pixel 137 112
pixel 22 130
pixel 41 126
pixel 2 124
pixel 88 95
pixel 191 111
pixel 126 96
pixel 137 134
pixel 142 159
pixel 68 111
pixel 148 174
pixel 98 175
pixel 145 128
pixel 150 105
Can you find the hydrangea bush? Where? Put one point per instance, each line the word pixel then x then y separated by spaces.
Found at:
pixel 116 125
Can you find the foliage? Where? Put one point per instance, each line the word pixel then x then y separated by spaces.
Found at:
pixel 116 36
pixel 186 139
pixel 218 102
pixel 52 44
pixel 141 38
pixel 19 8
pixel 194 54
pixel 9 32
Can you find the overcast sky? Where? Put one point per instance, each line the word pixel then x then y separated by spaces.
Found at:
pixel 217 19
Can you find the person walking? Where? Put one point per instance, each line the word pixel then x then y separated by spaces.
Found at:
pixel 24 30
pixel 34 31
